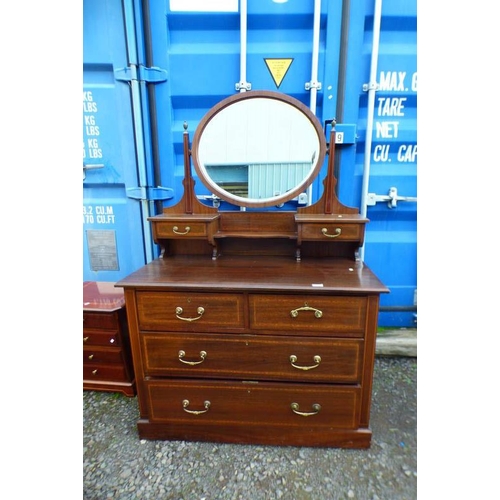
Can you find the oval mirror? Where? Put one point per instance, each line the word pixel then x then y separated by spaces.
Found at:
pixel 258 149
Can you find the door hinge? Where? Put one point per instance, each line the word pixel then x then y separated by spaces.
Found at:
pixel 243 86
pixel 141 73
pixel 150 193
pixel 312 85
pixel 392 198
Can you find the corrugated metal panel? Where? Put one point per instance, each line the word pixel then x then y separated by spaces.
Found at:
pixel 112 230
pixel 272 179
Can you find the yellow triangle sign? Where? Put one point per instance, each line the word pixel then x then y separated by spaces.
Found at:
pixel 278 68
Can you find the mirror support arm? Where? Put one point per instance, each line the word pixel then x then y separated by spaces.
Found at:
pixel 188 181
pixel 330 179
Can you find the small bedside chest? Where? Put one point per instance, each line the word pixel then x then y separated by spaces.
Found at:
pixel 107 362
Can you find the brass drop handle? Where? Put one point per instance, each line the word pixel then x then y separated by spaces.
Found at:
pixel 203 355
pixel 85 339
pixel 293 360
pixel 94 372
pixel 338 232
pixel 175 229
pixel 295 312
pixel 185 405
pixel 316 407
pixel 91 356
pixel 179 310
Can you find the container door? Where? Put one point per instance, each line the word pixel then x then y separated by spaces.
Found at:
pixel 113 239
pixel 391 238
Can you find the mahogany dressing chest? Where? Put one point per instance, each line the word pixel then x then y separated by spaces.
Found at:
pixel 256 325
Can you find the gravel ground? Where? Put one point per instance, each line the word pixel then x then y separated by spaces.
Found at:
pixel 117 464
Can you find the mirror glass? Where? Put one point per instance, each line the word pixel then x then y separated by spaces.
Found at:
pixel 258 149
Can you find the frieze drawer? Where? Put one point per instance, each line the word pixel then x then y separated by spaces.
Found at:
pixel 325 232
pixel 256 357
pixel 189 311
pixel 182 229
pixel 327 316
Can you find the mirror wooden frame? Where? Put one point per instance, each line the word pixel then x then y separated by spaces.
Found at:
pixel 291 193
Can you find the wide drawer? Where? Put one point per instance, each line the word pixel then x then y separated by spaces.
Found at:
pixel 292 405
pixel 330 231
pixel 100 320
pixel 101 337
pixel 252 357
pixel 104 372
pixel 106 355
pixel 189 311
pixel 324 315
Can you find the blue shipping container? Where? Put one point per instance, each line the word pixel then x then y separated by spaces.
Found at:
pixel 150 66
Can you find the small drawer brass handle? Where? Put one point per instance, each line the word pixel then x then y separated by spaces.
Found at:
pixel 203 355
pixel 175 229
pixel 316 407
pixel 179 311
pixel 295 312
pixel 85 339
pixel 338 232
pixel 185 405
pixel 293 360
pixel 91 356
pixel 94 372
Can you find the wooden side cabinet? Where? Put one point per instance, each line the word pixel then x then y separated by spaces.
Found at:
pixel 107 361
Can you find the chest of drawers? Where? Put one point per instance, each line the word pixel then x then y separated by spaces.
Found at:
pixel 107 361
pixel 246 350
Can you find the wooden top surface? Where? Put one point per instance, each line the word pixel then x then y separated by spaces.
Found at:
pixel 102 296
pixel 260 273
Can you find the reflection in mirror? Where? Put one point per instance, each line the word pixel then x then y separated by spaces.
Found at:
pixel 260 149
